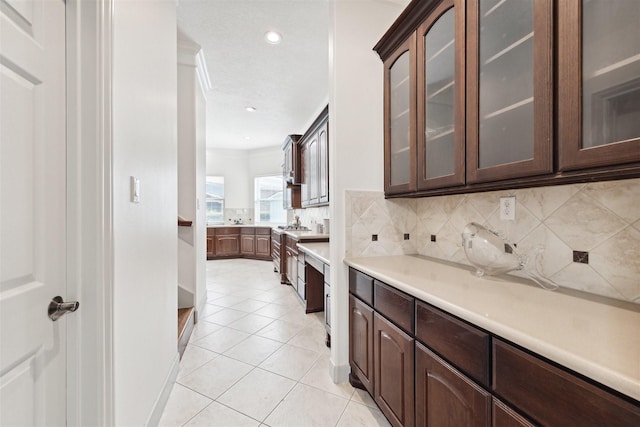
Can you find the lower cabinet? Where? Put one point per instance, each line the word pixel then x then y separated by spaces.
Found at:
pixel 247 245
pixel 246 242
pixel 464 376
pixel 393 362
pixel 445 397
pixel 263 246
pixel 361 343
pixel 227 245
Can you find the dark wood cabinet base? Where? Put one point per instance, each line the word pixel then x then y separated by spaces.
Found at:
pixel 355 382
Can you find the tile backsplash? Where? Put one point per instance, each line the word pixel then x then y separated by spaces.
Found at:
pixel 243 215
pixel 309 217
pixel 601 218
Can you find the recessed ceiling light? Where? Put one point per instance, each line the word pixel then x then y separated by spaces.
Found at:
pixel 273 37
pixel 250 109
pixel 247 138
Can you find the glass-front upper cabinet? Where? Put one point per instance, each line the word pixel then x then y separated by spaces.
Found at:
pixel 509 89
pixel 441 97
pixel 599 82
pixel 400 119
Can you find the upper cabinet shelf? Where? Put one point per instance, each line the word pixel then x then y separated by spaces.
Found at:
pixel 474 100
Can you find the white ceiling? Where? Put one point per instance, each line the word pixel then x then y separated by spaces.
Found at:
pixel 287 83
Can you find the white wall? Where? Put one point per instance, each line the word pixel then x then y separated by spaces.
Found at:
pixel 239 168
pixel 356 137
pixel 191 173
pixel 145 233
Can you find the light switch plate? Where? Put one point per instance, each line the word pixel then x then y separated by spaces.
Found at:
pixel 508 208
pixel 135 190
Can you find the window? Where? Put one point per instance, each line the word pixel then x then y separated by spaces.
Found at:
pixel 268 199
pixel 215 199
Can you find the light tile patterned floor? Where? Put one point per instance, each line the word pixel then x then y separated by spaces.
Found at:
pixel 255 359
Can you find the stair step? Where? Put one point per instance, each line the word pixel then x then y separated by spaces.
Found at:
pixel 186 321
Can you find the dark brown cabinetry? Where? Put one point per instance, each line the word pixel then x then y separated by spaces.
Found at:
pixel 463 376
pixel 441 97
pixel 472 104
pixel 247 241
pixel 400 119
pixel 227 242
pixel 291 172
pixel 291 260
pixel 263 243
pixel 445 397
pixel 230 242
pixel 211 243
pixel 598 83
pixel 361 343
pixel 509 89
pixel 553 396
pixel 393 364
pixel 314 154
pixel 276 254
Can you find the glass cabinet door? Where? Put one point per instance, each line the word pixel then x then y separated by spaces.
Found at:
pixel 599 82
pixel 441 97
pixel 509 127
pixel 400 94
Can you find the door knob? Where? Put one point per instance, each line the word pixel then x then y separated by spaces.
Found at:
pixel 57 308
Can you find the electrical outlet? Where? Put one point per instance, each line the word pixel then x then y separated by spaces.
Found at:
pixel 508 208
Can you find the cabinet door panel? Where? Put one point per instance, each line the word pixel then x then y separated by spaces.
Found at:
pixel 445 397
pixel 400 119
pixel 312 167
pixel 227 245
pixel 323 163
pixel 441 97
pixel 393 360
pixel 263 245
pixel 509 89
pixel 599 83
pixel 247 244
pixel 361 342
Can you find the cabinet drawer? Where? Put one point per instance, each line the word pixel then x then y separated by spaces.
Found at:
pixel 302 271
pixel 394 304
pixel 302 288
pixel 224 231
pixel 461 344
pixel 262 231
pixel 211 231
pixel 552 396
pixel 247 230
pixel 361 286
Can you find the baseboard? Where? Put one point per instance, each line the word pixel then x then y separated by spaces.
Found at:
pixel 163 397
pixel 339 373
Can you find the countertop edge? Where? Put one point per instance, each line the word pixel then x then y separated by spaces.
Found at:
pixel 311 250
pixel 611 378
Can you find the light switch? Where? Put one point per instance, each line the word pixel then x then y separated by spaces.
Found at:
pixel 135 190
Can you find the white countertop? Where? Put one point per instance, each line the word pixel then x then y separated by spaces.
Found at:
pixel 306 235
pixel 318 250
pixel 596 337
pixel 239 225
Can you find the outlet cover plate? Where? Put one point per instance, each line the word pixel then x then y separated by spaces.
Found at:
pixel 508 208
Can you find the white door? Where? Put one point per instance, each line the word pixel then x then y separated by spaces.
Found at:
pixel 32 212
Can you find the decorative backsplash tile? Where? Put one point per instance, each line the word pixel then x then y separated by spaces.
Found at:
pixel 309 217
pixel 600 218
pixel 238 215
